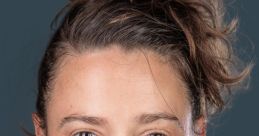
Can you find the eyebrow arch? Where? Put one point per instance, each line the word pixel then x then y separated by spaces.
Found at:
pixel 149 118
pixel 96 121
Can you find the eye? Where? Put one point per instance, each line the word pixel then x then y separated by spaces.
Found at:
pixel 85 133
pixel 156 134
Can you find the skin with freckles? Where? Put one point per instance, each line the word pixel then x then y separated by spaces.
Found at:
pixel 113 93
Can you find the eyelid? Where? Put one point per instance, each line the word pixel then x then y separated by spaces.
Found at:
pixel 155 130
pixel 97 133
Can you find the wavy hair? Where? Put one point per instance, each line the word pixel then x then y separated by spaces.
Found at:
pixel 192 34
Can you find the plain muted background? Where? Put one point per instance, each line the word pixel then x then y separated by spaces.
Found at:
pixel 25 32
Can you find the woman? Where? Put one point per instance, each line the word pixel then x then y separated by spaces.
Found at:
pixel 136 67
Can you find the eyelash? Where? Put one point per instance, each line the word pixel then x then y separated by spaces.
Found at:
pixel 86 133
pixel 93 134
pixel 156 132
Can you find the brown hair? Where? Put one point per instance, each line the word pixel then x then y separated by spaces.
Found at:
pixel 191 33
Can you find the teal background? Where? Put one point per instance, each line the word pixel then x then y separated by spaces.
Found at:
pixel 24 34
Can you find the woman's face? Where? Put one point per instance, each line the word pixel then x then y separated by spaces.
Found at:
pixel 113 93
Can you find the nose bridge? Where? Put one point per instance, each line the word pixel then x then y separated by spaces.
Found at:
pixel 122 126
pixel 121 130
pixel 121 133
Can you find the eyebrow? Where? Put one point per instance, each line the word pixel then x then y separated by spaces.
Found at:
pixel 98 121
pixel 149 118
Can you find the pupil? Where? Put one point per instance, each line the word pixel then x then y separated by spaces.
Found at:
pixel 85 134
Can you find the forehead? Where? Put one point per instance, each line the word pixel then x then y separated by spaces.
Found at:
pixel 111 82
